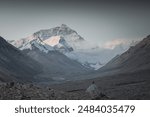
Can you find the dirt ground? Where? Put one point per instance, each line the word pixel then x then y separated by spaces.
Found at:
pixel 122 86
pixel 133 86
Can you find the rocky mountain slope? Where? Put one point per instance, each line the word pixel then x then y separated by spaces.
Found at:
pixel 56 66
pixel 137 58
pixel 16 66
pixel 39 64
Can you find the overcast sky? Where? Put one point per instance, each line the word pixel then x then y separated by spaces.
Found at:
pixel 94 20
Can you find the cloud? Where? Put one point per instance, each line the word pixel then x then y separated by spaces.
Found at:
pixel 113 43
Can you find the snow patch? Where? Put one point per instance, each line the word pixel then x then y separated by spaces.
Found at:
pixel 41 45
pixel 52 41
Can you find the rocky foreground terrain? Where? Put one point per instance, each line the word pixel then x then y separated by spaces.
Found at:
pixel 121 86
pixel 132 85
pixel 19 91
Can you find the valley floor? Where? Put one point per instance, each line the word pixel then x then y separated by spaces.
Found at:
pixel 123 86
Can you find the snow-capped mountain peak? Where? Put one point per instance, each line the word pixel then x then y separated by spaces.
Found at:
pixel 39 44
pixel 59 44
pixel 70 35
pixel 54 40
pixel 61 38
pixel 70 43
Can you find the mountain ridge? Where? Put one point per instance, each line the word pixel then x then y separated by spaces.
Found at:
pixel 35 65
pixel 14 65
pixel 134 59
pixel 69 36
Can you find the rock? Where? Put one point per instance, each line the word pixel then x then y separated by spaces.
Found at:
pixel 19 91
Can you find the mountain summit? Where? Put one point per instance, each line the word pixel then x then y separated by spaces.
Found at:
pixel 69 34
pixel 61 38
